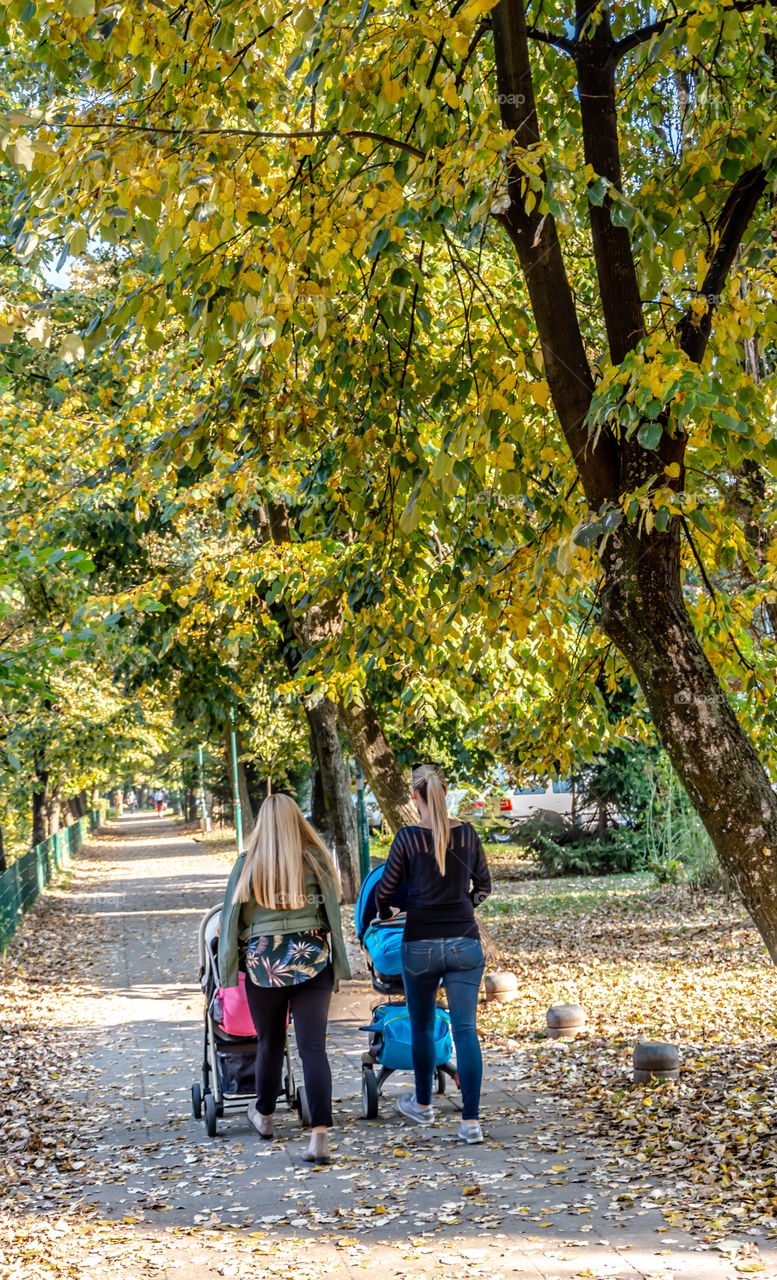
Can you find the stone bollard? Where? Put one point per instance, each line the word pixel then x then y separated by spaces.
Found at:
pixel 501 987
pixel 565 1021
pixel 655 1060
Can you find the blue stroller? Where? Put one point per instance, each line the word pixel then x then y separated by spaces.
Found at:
pixel 390 1042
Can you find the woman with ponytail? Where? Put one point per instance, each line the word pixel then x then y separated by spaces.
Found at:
pixel 445 868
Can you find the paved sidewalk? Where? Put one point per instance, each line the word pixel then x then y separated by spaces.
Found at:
pixel 396 1201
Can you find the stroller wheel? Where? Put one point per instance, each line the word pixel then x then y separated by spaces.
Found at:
pixel 440 1081
pixel 303 1108
pixel 210 1115
pixel 369 1094
pixel 196 1101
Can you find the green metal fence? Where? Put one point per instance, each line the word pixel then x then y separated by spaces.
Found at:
pixel 25 878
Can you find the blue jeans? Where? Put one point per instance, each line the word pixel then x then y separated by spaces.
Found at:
pixel 459 963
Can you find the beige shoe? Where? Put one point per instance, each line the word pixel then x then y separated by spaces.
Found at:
pixel 318 1150
pixel 264 1125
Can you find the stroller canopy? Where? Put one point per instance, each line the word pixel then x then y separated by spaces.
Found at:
pixel 366 907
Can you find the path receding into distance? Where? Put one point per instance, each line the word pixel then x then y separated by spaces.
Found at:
pixel 397 1200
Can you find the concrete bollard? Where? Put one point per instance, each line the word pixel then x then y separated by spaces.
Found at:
pixel 501 987
pixel 565 1021
pixel 655 1060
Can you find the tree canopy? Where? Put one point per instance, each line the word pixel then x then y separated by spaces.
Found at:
pixel 432 350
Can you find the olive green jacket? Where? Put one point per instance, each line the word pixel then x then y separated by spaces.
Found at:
pixel 242 921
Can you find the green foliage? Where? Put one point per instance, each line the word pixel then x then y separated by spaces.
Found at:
pixel 619 850
pixel 679 851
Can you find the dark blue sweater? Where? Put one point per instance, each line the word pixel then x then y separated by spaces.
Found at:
pixel 439 906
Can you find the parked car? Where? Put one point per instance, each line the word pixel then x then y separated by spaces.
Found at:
pixel 545 796
pixel 374 814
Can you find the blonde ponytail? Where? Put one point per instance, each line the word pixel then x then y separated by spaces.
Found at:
pixel 429 782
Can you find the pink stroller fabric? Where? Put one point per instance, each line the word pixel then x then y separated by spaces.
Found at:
pixel 236 1020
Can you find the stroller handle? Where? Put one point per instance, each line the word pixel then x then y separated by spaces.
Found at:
pixel 201 942
pixel 394 922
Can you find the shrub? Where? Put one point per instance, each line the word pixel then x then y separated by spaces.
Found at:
pixel 617 851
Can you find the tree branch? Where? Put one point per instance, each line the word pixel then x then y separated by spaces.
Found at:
pixel 616 273
pixel 258 134
pixel 730 227
pixel 637 38
pixel 549 37
pixel 535 238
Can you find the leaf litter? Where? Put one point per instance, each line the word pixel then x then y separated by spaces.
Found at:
pixel 652 964
pixel 647 964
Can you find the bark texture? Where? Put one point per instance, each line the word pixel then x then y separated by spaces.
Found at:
pixel 379 764
pixel 40 804
pixel 247 812
pixel 336 787
pixel 645 615
pixel 55 809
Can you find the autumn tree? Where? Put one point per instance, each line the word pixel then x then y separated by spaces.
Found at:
pixel 467 252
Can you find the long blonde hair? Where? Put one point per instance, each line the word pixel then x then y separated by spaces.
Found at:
pixel 429 782
pixel 280 847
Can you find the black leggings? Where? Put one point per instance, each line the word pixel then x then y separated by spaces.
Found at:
pixel 309 1003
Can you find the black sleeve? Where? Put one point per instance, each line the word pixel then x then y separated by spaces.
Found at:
pixel 481 876
pixel 394 872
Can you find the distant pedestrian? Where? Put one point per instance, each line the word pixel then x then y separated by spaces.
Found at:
pixel 132 800
pixel 280 924
pixel 445 867
pixel 159 801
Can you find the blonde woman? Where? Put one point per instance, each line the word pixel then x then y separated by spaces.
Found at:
pixel 281 924
pixel 445 867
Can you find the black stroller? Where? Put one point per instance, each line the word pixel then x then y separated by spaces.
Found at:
pixel 230 1043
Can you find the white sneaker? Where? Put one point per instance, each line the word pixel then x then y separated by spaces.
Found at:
pixel 410 1108
pixel 471 1133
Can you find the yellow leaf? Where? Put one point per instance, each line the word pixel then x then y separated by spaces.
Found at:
pixel 540 392
pixel 505 457
pixel 391 90
pixel 476 8
pixel 451 96
pixel 678 259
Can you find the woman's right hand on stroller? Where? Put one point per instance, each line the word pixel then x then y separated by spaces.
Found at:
pixel 385 919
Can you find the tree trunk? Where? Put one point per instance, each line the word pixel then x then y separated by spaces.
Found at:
pixel 256 786
pixel 379 764
pixel 247 812
pixel 645 615
pixel 74 806
pixel 336 784
pixel 95 797
pixel 319 815
pixel 40 802
pixel 55 809
pixel 3 863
